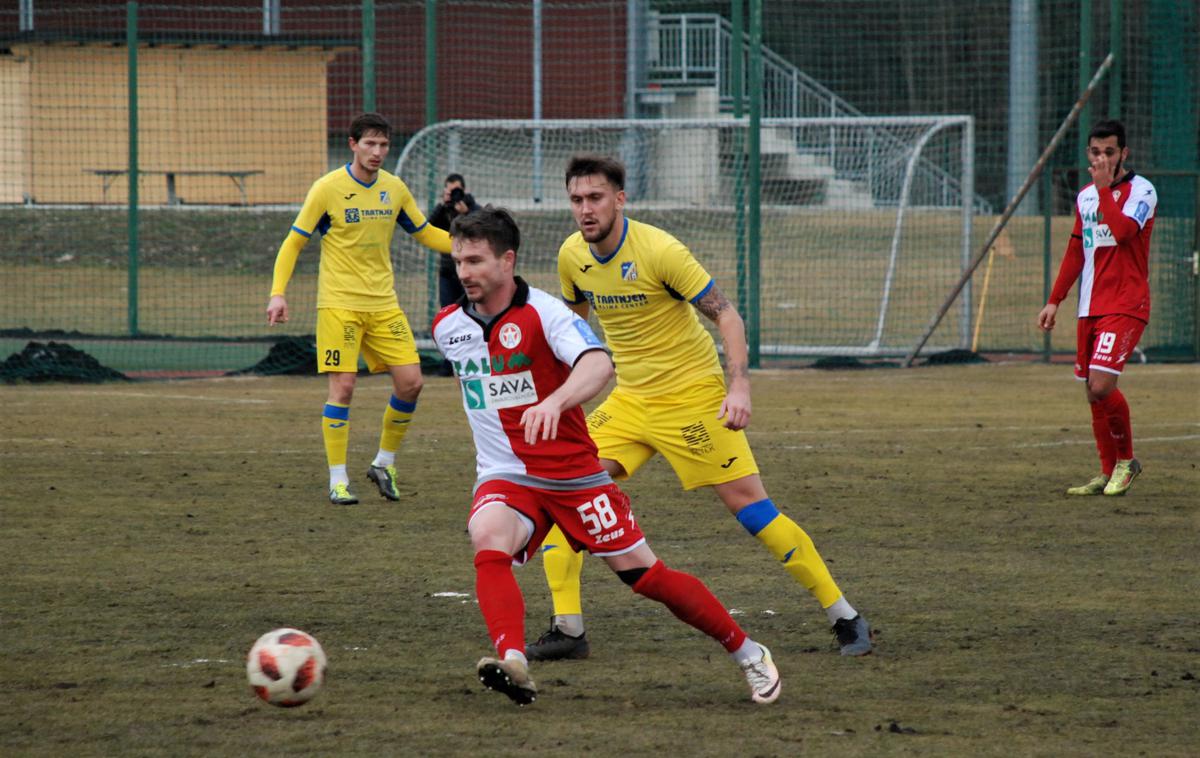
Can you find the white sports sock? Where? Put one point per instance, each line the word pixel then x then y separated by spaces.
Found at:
pixel 384 458
pixel 749 652
pixel 510 654
pixel 337 475
pixel 571 624
pixel 840 610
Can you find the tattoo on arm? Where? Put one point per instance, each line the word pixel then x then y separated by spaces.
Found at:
pixel 713 303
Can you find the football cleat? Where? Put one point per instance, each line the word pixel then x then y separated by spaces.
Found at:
pixel 1122 476
pixel 1094 487
pixel 385 479
pixel 854 635
pixel 556 645
pixel 763 678
pixel 341 495
pixel 510 676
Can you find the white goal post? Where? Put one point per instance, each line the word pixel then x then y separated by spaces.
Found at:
pixel 864 219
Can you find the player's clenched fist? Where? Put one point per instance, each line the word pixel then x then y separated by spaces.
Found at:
pixel 1046 317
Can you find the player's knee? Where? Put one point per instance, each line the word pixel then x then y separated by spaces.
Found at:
pixel 1099 388
pixel 407 389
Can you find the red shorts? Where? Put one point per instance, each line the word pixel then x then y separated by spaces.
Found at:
pixel 1104 343
pixel 597 519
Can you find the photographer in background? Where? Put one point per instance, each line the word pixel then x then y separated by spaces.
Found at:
pixel 456 201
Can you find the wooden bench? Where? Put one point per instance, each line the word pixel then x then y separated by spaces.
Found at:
pixel 110 175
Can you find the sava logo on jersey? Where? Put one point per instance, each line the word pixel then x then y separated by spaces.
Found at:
pixel 1098 236
pixel 489 393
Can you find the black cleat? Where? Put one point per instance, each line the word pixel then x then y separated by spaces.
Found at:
pixel 555 645
pixel 854 635
pixel 385 479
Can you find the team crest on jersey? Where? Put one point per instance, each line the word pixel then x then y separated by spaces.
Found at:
pixel 352 216
pixel 383 196
pixel 1116 195
pixel 510 335
pixel 629 271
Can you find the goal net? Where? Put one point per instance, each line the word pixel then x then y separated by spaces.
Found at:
pixel 865 222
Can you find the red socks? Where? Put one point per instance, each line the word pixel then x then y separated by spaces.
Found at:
pixel 500 600
pixel 1113 432
pixel 690 601
pixel 1104 441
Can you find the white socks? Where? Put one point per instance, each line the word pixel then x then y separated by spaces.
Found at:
pixel 840 610
pixel 337 475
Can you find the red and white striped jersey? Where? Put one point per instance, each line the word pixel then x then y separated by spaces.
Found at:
pixel 518 359
pixel 1109 252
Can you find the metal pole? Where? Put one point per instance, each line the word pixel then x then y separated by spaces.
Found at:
pixel 538 189
pixel 368 55
pixel 430 62
pixel 967 195
pixel 738 90
pixel 270 17
pixel 1048 213
pixel 1085 65
pixel 131 42
pixel 752 307
pixel 25 22
pixel 432 262
pixel 1022 98
pixel 1116 10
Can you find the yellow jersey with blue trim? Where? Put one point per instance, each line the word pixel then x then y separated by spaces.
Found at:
pixel 643 295
pixel 356 222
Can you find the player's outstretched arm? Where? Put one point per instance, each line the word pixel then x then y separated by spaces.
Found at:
pixel 433 238
pixel 591 373
pixel 736 408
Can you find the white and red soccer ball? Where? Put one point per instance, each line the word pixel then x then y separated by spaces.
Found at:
pixel 286 667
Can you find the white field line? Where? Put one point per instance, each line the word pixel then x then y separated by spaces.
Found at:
pixel 950 429
pixel 103 395
pixel 1060 443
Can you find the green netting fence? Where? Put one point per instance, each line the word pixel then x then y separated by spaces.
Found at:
pixel 226 112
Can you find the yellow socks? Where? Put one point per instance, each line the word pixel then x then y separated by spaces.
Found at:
pixel 563 567
pixel 791 545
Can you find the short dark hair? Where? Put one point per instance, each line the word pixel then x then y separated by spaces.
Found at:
pixel 1109 128
pixel 456 178
pixel 369 122
pixel 588 164
pixel 495 225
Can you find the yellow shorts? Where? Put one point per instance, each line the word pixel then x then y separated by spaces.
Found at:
pixel 382 337
pixel 630 429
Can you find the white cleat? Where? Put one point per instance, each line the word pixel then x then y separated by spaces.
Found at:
pixel 763 678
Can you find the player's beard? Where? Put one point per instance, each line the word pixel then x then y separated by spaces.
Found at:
pixel 601 233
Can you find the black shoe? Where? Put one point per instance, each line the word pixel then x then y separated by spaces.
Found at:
pixel 854 635
pixel 555 645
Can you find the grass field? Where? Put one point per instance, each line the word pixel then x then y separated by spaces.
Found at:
pixel 152 531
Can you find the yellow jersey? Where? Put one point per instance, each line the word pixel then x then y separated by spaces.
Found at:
pixel 356 222
pixel 642 295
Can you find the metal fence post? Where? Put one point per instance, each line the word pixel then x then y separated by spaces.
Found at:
pixel 131 41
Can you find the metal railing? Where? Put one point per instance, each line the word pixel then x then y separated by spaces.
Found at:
pixel 693 50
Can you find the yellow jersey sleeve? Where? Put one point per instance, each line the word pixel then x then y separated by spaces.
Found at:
pixel 679 270
pixel 567 257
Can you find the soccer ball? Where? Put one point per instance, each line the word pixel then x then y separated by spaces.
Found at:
pixel 286 667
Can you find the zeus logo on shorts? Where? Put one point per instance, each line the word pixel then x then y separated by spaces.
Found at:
pixel 489 393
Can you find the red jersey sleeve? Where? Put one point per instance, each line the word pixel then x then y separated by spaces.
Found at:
pixel 1072 264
